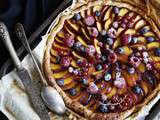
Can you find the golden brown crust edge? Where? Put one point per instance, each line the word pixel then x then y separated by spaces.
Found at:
pixel 77 107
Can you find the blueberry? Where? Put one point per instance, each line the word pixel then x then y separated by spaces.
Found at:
pixel 73 91
pixel 134 40
pixel 60 82
pixel 58 59
pixel 107 76
pixel 143 30
pixel 77 16
pixel 150 39
pixel 137 89
pixel 150 78
pixel 97 13
pixel 157 52
pixel 116 10
pixel 103 108
pixel 120 50
pixel 104 58
pixel 99 67
pixel 82 48
pixel 109 41
pixel 84 81
pixel 77 45
pixel 131 70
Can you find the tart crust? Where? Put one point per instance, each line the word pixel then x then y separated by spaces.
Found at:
pixel 57 26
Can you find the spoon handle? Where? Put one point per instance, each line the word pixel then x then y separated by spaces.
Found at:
pixel 5 37
pixel 19 29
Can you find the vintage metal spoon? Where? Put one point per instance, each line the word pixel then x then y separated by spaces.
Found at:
pixel 50 96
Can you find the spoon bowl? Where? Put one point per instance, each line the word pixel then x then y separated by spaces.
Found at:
pixel 48 94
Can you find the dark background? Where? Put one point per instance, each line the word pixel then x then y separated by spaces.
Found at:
pixel 31 13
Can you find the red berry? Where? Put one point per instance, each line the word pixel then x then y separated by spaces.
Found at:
pixel 69 40
pixel 105 66
pixel 90 50
pixel 126 39
pixel 93 32
pixel 89 20
pixel 112 58
pixel 65 61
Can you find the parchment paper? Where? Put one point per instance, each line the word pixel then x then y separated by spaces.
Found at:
pixel 14 102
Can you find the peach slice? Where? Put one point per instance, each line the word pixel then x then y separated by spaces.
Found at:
pixel 142 39
pixel 127 50
pixel 144 85
pixel 85 34
pixel 153 45
pixel 96 46
pixel 54 52
pixel 149 34
pixel 107 24
pixel 69 86
pixel 141 67
pixel 122 58
pixel 122 90
pixel 99 26
pixel 138 45
pixel 74 64
pixel 82 41
pixel 74 26
pixel 140 24
pixel 55 66
pixel 83 14
pixel 130 31
pixel 119 31
pixel 69 30
pixel 69 80
pixel 123 12
pixel 53 59
pixel 89 12
pixel 97 8
pixel 97 72
pixel 59 74
pixel 107 14
pixel 77 56
pixel 155 58
pixel 58 40
pixel 56 45
pixel 112 93
pixel 116 43
pixel 61 34
pixel 130 78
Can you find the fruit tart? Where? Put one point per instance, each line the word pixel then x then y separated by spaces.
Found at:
pixel 103 57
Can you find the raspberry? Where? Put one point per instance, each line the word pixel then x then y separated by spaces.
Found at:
pixel 93 32
pixel 126 39
pixel 119 83
pixel 89 20
pixel 115 24
pixel 69 40
pixel 135 61
pixel 65 61
pixel 90 50
pixel 92 88
pixel 111 32
pixel 112 58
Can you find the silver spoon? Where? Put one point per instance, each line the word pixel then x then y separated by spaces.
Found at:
pixel 50 96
